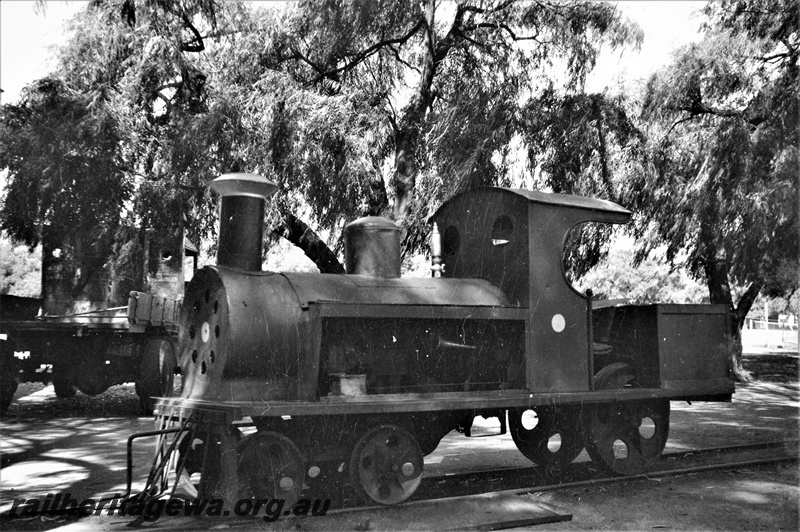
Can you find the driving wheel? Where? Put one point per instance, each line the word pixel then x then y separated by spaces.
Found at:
pixel 626 436
pixel 386 465
pixel 547 436
pixel 270 467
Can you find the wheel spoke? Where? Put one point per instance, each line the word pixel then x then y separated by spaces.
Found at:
pixel 602 432
pixel 533 442
pixel 265 459
pixel 376 464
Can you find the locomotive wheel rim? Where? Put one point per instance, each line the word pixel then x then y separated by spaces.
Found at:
pixel 534 443
pixel 657 411
pixel 386 465
pixel 270 467
pixel 613 437
pixel 190 451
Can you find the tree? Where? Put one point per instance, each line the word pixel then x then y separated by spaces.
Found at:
pixel 352 107
pixel 719 182
pixel 582 144
pixel 102 134
pixel 649 281
pixel 87 146
pixel 61 152
pixel 20 269
pixel 433 93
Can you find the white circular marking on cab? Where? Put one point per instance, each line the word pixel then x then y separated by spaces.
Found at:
pixel 558 323
pixel 205 331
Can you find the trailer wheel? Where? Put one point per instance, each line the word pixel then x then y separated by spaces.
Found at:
pixel 156 373
pixel 91 377
pixel 8 387
pixel 8 377
pixel 62 384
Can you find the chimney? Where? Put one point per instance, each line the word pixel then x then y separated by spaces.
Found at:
pixel 241 220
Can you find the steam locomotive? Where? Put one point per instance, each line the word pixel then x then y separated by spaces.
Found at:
pixel 287 375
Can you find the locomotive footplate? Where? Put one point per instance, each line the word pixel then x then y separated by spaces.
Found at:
pixel 443 401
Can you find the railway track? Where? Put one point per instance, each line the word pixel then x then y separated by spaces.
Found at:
pixel 586 473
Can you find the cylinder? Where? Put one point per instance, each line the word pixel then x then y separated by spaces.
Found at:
pixel 241 220
pixel 372 247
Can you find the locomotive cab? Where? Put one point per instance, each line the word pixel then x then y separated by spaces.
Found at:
pixel 522 254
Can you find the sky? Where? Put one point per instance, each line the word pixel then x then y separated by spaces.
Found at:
pixel 27 36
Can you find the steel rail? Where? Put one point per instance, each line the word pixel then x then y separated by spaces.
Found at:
pixel 583 483
pixel 453 477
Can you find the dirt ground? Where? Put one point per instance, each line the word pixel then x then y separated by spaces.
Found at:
pixel 77 445
pixel 758 498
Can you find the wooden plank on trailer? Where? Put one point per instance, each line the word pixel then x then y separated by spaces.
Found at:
pixel 169 311
pixel 133 302
pixel 142 316
pixel 157 310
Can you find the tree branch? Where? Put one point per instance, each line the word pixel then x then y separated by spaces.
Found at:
pixel 682 120
pixel 369 51
pixel 298 233
pixel 700 109
pixel 297 54
pixel 746 303
pixel 188 46
pixel 400 60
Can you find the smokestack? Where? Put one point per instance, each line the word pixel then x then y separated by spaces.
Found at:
pixel 241 220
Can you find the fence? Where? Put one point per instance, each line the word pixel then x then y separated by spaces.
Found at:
pixel 782 333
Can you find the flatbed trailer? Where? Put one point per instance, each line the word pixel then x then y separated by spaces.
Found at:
pixel 89 351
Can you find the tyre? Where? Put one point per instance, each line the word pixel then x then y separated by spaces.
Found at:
pixel 8 374
pixel 8 386
pixel 90 376
pixel 156 373
pixel 62 383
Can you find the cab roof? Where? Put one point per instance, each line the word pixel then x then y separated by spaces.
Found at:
pixel 611 211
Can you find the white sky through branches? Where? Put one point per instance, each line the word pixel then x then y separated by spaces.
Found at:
pixel 27 36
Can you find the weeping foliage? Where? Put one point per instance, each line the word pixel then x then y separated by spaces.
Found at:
pixel 60 148
pixel 720 182
pixel 352 107
pixel 436 96
pixel 582 144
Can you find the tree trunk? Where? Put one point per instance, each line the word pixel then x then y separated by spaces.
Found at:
pixel 715 266
pixel 298 233
pixel 745 304
pixel 716 271
pixel 409 128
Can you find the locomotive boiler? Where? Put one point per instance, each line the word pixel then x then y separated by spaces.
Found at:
pixel 288 375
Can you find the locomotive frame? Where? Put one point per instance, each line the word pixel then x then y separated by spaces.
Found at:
pixel 502 331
